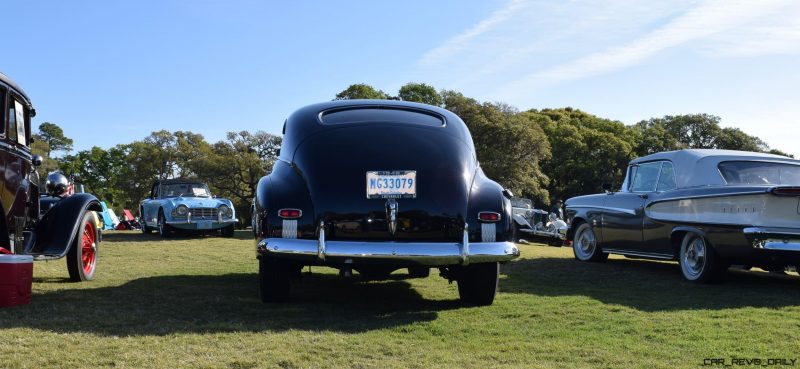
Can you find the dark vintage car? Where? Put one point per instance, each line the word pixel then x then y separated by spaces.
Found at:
pixel 376 186
pixel 47 227
pixel 708 209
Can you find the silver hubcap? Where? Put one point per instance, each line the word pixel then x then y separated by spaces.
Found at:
pixel 585 244
pixel 694 257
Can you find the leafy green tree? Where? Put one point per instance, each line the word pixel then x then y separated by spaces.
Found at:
pixel 510 146
pixel 53 135
pixel 734 139
pixel 420 92
pixel 587 151
pixel 361 91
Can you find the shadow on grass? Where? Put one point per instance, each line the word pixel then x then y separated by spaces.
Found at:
pixel 138 236
pixel 225 303
pixel 647 285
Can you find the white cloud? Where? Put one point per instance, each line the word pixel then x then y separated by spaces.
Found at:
pixel 706 19
pixel 462 40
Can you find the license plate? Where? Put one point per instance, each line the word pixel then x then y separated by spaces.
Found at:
pixel 392 184
pixel 204 224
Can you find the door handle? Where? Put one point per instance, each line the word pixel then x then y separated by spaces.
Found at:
pixel 643 196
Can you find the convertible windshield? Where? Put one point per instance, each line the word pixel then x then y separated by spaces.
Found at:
pixel 759 173
pixel 185 189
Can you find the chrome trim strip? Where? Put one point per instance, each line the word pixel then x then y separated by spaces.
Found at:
pixel 745 193
pixel 765 231
pixel 425 253
pixel 619 210
pixel 778 245
pixel 465 246
pixel 640 254
pixel 321 247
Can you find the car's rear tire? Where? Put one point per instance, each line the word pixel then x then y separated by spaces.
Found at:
pixel 82 255
pixel 419 272
pixel 698 261
pixel 584 245
pixel 477 283
pixel 226 231
pixel 163 227
pixel 274 279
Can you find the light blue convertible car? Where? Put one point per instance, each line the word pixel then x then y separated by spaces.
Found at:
pixel 185 204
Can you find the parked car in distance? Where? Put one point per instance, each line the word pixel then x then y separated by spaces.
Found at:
pixel 187 205
pixel 376 186
pixel 537 225
pixel 707 209
pixel 55 225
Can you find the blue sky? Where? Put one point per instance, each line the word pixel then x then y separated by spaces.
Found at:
pixel 110 72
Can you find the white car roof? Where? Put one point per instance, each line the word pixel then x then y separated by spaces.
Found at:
pixel 698 167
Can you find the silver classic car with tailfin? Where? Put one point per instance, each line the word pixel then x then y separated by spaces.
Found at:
pixel 708 209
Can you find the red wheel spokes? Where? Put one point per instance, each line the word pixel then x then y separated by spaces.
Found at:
pixel 88 248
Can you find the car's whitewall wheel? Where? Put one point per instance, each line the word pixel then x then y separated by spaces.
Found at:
pixel 585 245
pixel 698 261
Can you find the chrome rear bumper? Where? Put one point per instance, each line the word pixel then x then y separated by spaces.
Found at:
pixel 781 239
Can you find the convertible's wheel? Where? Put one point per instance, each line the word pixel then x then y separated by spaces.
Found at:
pixel 226 231
pixel 699 263
pixel 163 228
pixel 82 255
pixel 477 283
pixel 274 278
pixel 585 245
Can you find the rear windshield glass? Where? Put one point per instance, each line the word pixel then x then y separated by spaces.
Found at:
pixel 759 173
pixel 381 115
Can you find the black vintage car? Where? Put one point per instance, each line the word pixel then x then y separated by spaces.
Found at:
pixel 47 227
pixel 376 186
pixel 708 209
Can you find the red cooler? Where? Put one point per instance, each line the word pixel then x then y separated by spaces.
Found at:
pixel 16 276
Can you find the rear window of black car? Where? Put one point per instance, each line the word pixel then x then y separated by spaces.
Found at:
pixel 376 114
pixel 759 173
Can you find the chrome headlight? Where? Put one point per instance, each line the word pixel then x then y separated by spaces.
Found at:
pixel 225 211
pixel 181 210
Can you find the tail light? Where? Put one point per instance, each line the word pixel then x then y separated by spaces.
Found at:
pixel 489 216
pixel 786 191
pixel 290 213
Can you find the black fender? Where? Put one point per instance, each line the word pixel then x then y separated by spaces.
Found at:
pixel 677 233
pixel 283 188
pixel 56 230
pixel 487 195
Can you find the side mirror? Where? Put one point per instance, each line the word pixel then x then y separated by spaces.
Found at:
pixel 607 187
pixel 36 160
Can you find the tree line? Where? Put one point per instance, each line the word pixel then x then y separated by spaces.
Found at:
pixel 541 154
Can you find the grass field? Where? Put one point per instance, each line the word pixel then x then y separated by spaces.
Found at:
pixel 192 302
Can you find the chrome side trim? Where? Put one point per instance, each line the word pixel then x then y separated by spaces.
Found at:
pixel 640 254
pixel 765 231
pixel 488 232
pixel 741 193
pixel 618 210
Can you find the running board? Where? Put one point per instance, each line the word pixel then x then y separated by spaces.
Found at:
pixel 646 255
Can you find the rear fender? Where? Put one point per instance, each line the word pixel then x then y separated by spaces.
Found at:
pixel 283 188
pixel 487 195
pixel 56 230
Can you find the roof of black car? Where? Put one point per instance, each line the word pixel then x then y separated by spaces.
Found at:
pixel 4 78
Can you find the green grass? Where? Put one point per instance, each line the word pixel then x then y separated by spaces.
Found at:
pixel 192 302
